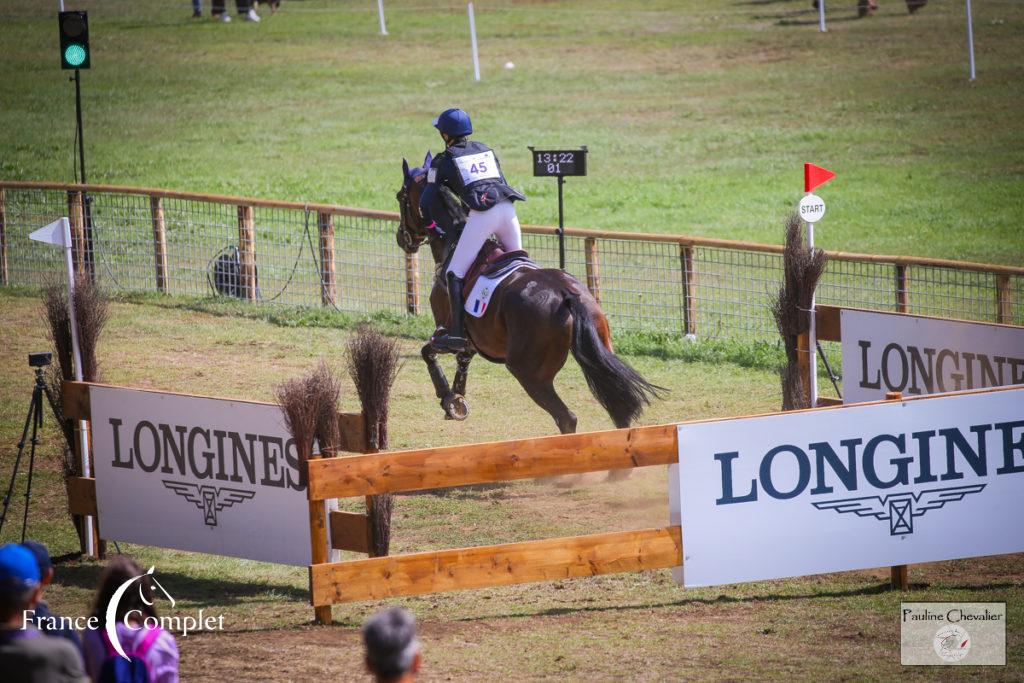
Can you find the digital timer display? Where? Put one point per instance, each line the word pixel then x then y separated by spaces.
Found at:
pixel 559 162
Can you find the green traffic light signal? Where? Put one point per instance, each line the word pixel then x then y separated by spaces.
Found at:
pixel 74 40
pixel 75 55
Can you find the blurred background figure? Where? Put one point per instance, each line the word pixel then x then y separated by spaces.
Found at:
pixel 244 8
pixel 26 655
pixel 392 649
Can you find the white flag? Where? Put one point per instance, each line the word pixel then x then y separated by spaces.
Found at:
pixel 51 234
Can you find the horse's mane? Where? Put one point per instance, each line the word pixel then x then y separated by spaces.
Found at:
pixel 453 205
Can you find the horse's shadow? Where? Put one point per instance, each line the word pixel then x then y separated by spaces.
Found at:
pixel 876 589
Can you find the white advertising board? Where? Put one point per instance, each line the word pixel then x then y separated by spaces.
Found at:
pixel 202 474
pixel 851 488
pixel 918 355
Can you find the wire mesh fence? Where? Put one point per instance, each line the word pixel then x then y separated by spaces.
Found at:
pixel 317 255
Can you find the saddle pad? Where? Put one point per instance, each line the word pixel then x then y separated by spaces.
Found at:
pixel 480 295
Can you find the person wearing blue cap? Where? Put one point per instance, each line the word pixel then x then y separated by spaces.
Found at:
pixel 42 618
pixel 26 655
pixel 471 170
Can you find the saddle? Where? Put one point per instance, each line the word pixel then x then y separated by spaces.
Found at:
pixel 492 261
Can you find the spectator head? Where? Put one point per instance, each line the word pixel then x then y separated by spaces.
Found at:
pixel 19 582
pixel 42 556
pixel 119 569
pixel 392 650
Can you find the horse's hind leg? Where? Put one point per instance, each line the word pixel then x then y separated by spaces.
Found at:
pixel 543 393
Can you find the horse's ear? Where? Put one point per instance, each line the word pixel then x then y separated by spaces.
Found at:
pixel 405 169
pixel 427 159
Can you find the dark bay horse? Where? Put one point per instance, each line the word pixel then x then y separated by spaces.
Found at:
pixel 535 318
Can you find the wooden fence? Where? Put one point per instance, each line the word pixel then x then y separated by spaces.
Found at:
pixel 717 283
pixel 495 565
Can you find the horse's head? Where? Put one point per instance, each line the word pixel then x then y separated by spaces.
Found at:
pixel 412 226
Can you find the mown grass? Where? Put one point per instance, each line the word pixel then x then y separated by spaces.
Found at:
pixel 698 116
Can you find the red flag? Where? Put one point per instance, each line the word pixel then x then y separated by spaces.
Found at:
pixel 816 175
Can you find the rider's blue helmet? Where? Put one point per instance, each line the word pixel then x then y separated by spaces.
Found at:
pixel 454 122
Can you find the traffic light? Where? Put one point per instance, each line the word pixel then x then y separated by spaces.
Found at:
pixel 74 40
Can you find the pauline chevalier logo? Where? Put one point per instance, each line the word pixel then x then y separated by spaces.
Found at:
pixel 900 508
pixel 209 499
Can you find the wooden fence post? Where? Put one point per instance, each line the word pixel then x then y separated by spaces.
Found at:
pixel 1004 304
pixel 593 268
pixel 901 288
pixel 156 210
pixel 76 217
pixel 328 282
pixel 318 544
pixel 803 364
pixel 689 283
pixel 412 283
pixel 899 578
pixel 247 252
pixel 3 238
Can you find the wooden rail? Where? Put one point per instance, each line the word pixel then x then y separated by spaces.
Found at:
pixel 496 565
pixel 431 468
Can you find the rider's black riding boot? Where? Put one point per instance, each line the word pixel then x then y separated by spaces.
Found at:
pixel 455 338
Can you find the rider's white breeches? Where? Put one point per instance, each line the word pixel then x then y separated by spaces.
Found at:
pixel 500 221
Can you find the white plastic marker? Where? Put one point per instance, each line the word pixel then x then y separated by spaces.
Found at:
pixel 472 38
pixel 380 13
pixel 59 233
pixel 821 16
pixel 970 37
pixel 812 210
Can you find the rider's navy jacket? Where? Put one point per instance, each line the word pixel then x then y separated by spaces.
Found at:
pixel 471 170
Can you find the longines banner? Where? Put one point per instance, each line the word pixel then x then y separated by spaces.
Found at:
pixel 918 355
pixel 851 488
pixel 203 474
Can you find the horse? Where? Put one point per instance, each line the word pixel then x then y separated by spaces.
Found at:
pixel 535 318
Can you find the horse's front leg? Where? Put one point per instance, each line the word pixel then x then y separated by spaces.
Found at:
pixel 441 387
pixel 455 406
pixel 463 359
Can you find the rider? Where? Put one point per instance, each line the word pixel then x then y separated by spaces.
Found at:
pixel 471 170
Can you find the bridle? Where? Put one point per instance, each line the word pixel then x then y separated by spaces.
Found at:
pixel 412 229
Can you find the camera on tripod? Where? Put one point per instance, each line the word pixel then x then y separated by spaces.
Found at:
pixel 33 420
pixel 39 360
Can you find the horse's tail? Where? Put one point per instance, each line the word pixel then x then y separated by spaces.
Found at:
pixel 615 385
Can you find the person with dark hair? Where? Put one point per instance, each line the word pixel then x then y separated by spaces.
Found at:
pixel 135 618
pixel 392 650
pixel 26 655
pixel 43 619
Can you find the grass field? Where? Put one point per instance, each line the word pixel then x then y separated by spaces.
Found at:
pixel 638 626
pixel 698 115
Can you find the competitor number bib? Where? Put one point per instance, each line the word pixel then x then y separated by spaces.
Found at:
pixel 477 167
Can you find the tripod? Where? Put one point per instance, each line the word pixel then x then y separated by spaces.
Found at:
pixel 35 419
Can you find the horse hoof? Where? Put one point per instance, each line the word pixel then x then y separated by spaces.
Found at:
pixel 455 407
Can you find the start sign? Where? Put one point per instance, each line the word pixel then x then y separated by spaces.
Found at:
pixel 812 208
